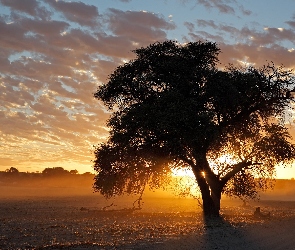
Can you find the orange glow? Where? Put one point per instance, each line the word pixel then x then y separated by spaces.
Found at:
pixel 185 183
pixel 180 172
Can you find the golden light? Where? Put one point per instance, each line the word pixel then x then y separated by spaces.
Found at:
pixel 184 183
pixel 183 172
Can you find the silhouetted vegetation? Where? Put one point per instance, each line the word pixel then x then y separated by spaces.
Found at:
pixel 173 107
pixel 56 176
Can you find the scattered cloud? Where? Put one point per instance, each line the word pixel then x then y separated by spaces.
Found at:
pixel 225 6
pixel 54 54
pixel 30 7
pixel 237 43
pixel 50 69
pixel 139 26
pixel 219 5
pixel 27 6
pixel 78 12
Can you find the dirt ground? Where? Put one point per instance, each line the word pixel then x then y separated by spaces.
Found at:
pixel 58 222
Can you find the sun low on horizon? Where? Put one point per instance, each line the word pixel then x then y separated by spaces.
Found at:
pixel 54 55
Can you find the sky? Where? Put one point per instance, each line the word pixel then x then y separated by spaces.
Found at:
pixel 55 53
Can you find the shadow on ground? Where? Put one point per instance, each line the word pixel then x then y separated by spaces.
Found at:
pixel 216 233
pixel 220 234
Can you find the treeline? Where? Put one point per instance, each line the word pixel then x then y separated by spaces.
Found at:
pixel 56 176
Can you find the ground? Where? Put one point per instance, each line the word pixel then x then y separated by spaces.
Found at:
pixel 57 222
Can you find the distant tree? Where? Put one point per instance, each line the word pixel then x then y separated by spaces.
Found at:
pixel 172 108
pixel 12 170
pixel 56 171
pixel 74 171
pixel 10 175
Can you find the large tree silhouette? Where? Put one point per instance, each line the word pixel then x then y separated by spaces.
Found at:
pixel 172 106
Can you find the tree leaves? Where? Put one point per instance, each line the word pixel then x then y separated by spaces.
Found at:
pixel 172 104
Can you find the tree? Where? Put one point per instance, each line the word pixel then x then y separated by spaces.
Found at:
pixel 74 171
pixel 54 172
pixel 172 107
pixel 12 170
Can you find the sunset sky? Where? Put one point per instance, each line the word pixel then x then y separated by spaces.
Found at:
pixel 54 54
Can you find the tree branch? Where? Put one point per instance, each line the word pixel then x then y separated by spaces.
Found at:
pixel 236 169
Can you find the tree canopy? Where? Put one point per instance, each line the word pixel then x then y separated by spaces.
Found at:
pixel 12 170
pixel 174 107
pixel 57 171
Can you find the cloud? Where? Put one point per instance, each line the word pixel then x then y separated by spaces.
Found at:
pixel 204 36
pixel 190 26
pixel 223 32
pixel 54 54
pixel 257 55
pixel 139 26
pixel 5 161
pixel 224 6
pixel 78 12
pixel 14 39
pixel 219 5
pixel 246 44
pixel 27 6
pixel 291 23
pixel 45 28
pixel 245 11
pixel 263 37
pixel 30 7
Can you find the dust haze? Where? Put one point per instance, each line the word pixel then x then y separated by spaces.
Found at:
pixel 62 212
pixel 25 185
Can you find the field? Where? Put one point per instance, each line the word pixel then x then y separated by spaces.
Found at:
pixel 35 221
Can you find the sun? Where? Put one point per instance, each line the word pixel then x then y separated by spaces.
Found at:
pixel 187 171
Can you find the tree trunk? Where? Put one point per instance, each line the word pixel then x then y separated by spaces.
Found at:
pixel 210 186
pixel 210 196
pixel 211 208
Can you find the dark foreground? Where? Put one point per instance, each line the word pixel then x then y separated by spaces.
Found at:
pixel 59 223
